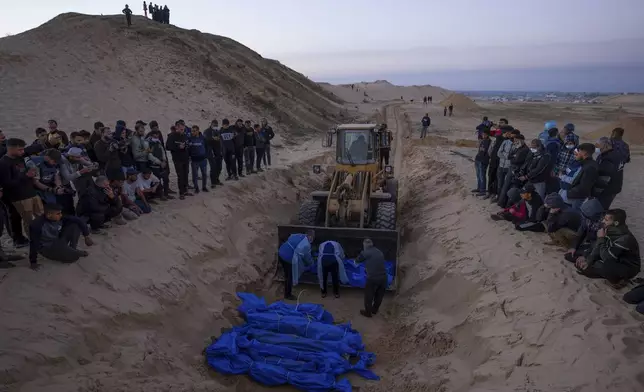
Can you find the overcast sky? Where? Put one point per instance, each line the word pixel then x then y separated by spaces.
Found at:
pixel 333 39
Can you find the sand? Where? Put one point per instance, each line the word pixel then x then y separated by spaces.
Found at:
pixel 460 102
pixel 480 307
pixel 633 130
pixel 382 90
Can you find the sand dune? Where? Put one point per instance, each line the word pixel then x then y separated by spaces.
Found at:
pixel 382 90
pixel 79 69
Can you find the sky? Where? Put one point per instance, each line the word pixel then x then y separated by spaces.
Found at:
pixel 412 41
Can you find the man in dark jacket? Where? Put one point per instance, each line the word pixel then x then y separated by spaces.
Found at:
pixel 227 134
pixel 493 151
pixel 609 176
pixel 99 205
pixel 56 236
pixel 270 134
pixel 524 212
pixel 159 161
pixel 582 186
pixel 620 145
pixel 53 128
pixel 215 152
pixel 553 144
pixel 249 148
pixel 615 255
pixel 198 158
pixel 17 182
pixel 537 168
pixel 560 221
pixel 240 136
pixel 377 280
pixel 108 153
pixel 5 259
pixel 517 159
pixel 485 124
pixel 95 136
pixel 591 214
pixel 177 144
pixel 425 123
pixel 481 162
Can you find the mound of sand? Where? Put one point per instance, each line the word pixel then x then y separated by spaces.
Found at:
pixel 383 90
pixel 633 130
pixel 460 102
pixel 626 100
pixel 149 71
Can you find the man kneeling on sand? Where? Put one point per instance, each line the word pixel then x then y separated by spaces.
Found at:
pixel 557 219
pixel 523 213
pixel 56 236
pixel 615 255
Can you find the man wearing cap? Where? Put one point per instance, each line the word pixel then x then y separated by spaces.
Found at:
pixel 215 152
pixel 177 144
pixel 250 142
pixel 525 211
pixel 240 135
pixel 227 134
pixel 609 176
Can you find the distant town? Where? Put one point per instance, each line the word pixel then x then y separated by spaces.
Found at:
pixel 532 96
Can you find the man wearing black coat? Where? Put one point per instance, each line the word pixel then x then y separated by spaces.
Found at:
pixel 99 205
pixel 610 173
pixel 177 144
pixel 215 152
pixel 582 187
pixel 240 136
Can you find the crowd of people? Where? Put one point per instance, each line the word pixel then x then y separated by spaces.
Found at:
pixel 158 14
pixel 557 185
pixel 63 186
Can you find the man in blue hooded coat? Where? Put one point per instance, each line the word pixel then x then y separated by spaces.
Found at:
pixel 295 256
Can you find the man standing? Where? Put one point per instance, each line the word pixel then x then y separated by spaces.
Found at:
pixel 18 184
pixel 145 9
pixel 56 236
pixel 377 281
pixel 481 162
pixel 240 135
pixel 53 128
pixel 451 109
pixel 295 256
pixel 198 158
pixel 425 123
pixel 227 135
pixel 6 259
pixel 270 135
pixel 108 154
pixel 140 146
pixel 609 178
pixel 128 15
pixel 166 15
pixel 151 10
pixel 249 148
pixel 177 144
pixel 214 151
pixel 260 146
pixel 385 143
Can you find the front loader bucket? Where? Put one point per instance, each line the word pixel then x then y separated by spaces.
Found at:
pixel 388 241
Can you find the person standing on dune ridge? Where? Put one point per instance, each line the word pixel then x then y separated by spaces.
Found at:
pixel 128 15
pixel 145 9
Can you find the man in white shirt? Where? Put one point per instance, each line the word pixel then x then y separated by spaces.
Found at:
pixel 150 185
pixel 133 191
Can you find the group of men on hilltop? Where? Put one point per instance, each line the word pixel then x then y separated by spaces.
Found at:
pixel 557 185
pixel 157 13
pixel 61 186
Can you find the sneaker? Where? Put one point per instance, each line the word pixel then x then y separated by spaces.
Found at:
pixel 481 194
pixel 83 253
pixel 182 197
pixel 219 183
pixel 163 198
pixel 119 221
pixel 98 232
pixel 486 196
pixel 213 186
pixel 188 194
pixel 260 170
pixel 364 313
pixel 323 295
pixel 475 190
pixel 241 175
pixel 204 189
pixel 338 296
pixel 236 178
pixel 254 171
pixel 168 197
pixel 196 191
pixel 229 178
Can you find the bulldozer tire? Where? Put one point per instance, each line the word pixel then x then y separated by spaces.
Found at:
pixel 392 188
pixel 308 215
pixel 386 216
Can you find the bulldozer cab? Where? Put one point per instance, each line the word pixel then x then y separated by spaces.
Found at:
pixel 359 144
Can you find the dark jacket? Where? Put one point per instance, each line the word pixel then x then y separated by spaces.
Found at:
pixel 610 174
pixel 261 139
pixel 553 145
pixel 582 186
pixel 197 148
pixel 94 201
pixel 213 142
pixel 172 144
pixel 618 246
pixel 14 181
pixel 374 262
pixel 426 121
pixel 43 233
pixel 108 159
pixel 249 137
pixel 537 167
pixel 228 139
pixel 494 157
pixel 157 153
pixel 591 213
pixel 482 155
pixel 240 136
pixel 269 133
pixel 29 150
pixel 565 218
pixel 518 157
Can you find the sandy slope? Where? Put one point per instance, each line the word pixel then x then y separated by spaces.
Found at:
pixel 382 90
pixel 79 69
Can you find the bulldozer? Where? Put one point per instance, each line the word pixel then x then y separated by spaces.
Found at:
pixel 360 197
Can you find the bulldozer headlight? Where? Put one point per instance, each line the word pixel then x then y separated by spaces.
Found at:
pixel 389 169
pixel 317 169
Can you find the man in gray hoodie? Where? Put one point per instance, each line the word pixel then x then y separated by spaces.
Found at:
pixel 374 290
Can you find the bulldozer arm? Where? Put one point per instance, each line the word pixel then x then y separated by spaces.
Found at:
pixel 388 241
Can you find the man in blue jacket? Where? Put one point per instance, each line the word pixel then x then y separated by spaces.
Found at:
pixel 198 155
pixel 295 256
pixel 227 134
pixel 331 260
pixel 425 123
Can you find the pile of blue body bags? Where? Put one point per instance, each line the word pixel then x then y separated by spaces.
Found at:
pixel 291 344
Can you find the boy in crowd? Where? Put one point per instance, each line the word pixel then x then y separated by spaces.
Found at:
pixel 198 158
pixel 55 236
